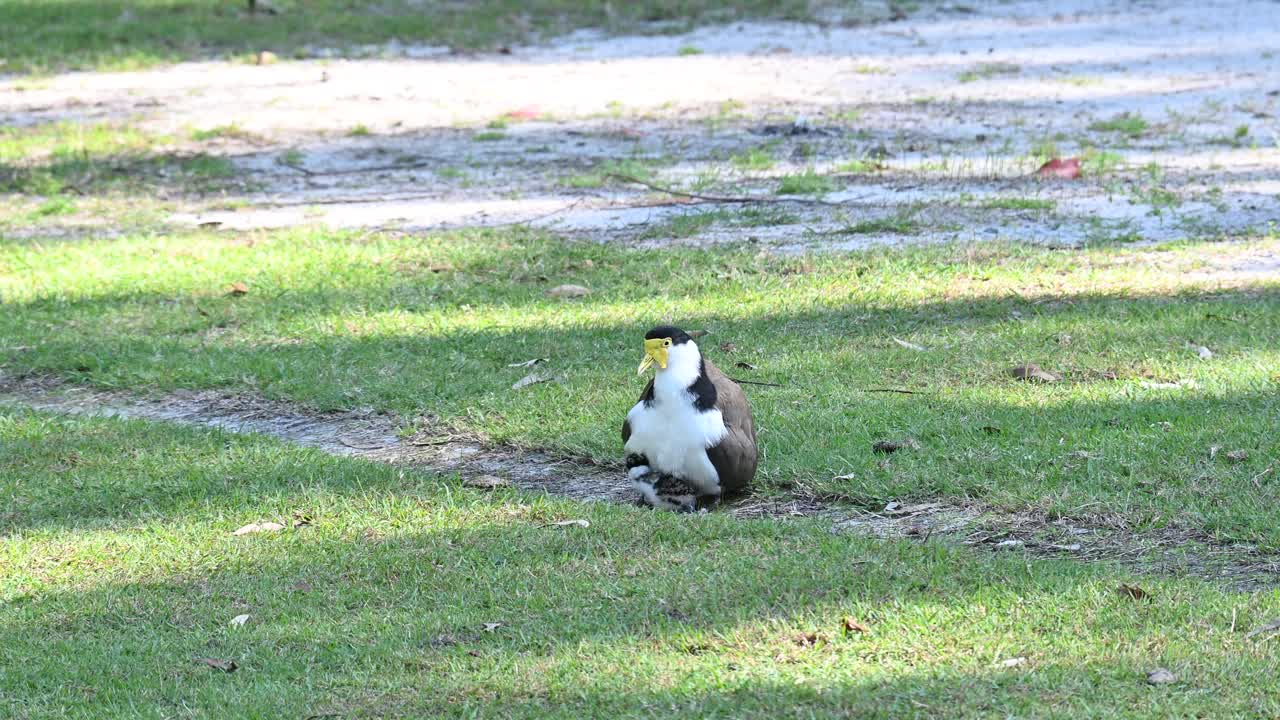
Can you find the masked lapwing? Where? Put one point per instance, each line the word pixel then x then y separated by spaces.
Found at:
pixel 690 439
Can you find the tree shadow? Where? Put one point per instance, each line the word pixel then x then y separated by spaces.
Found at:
pixel 1119 440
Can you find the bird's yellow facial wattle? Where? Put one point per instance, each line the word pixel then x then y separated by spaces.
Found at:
pixel 655 351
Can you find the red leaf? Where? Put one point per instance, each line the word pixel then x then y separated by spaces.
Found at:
pixel 528 112
pixel 238 288
pixel 1068 169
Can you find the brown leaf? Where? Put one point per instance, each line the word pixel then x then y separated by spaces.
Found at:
pixel 728 347
pixel 1161 676
pixel 209 224
pixel 486 482
pixel 223 665
pixel 1033 373
pixel 806 639
pixel 1068 169
pixel 237 289
pixel 1133 592
pixel 1237 456
pixel 262 527
pixel 886 447
pixel 568 291
pixel 301 586
pixel 850 625
pixel 302 519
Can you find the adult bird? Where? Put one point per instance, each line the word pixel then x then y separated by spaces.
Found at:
pixel 690 439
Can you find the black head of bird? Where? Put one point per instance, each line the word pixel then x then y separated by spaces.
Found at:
pixel 661 343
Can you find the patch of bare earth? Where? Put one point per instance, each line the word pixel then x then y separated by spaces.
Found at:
pixel 379 437
pixel 927 129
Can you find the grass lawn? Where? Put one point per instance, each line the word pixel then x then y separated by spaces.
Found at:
pixel 1140 432
pixel 53 35
pixel 407 595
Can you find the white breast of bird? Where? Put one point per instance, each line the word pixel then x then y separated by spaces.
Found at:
pixel 674 436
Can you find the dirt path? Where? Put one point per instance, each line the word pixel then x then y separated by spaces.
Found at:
pixel 926 129
pixel 380 438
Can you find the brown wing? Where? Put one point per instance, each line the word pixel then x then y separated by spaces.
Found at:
pixel 735 457
pixel 626 424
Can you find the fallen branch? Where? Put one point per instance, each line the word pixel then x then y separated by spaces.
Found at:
pixel 744 199
pixel 889 390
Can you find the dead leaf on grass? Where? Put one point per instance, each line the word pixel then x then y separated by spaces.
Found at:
pixel 806 639
pixel 262 527
pixel 909 345
pixel 217 664
pixel 1033 373
pixel 567 523
pixel 1237 456
pixel 492 626
pixel 1161 676
pixel 302 519
pixel 885 447
pixel 532 379
pixel 1013 662
pixel 568 291
pixel 1066 169
pixel 744 365
pixel 527 363
pixel 728 347
pixel 237 289
pixel 1133 592
pixel 528 112
pixel 239 620
pixel 486 482
pixel 895 508
pixel 850 625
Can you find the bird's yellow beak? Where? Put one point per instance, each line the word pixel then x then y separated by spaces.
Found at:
pixel 655 351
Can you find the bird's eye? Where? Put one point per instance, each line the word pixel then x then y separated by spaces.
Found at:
pixel 666 343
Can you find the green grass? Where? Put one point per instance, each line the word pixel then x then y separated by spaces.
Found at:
pixel 408 595
pixel 986 71
pixel 232 131
pixel 429 324
pixel 1130 124
pixel 55 35
pixel 106 158
pixel 757 158
pixel 808 182
pixel 1018 203
pixel 604 174
pixel 901 224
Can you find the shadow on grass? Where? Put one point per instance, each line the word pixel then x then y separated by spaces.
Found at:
pixel 49 35
pixel 405 595
pixel 1118 441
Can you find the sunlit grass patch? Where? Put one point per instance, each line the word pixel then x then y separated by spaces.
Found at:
pixel 429 324
pixel 119 554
